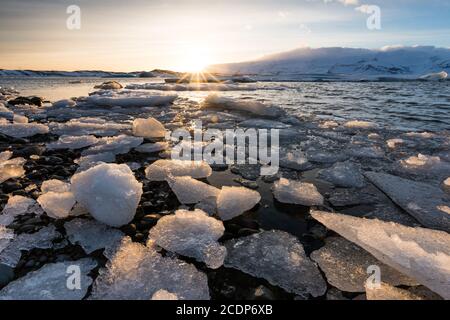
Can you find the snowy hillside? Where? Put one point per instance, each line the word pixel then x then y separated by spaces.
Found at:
pixel 330 63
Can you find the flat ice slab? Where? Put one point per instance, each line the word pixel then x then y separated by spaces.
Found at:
pixel 161 169
pixel 234 201
pixel 422 254
pixel 424 202
pixel 279 258
pixel 296 192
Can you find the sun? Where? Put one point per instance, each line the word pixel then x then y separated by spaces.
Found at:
pixel 195 60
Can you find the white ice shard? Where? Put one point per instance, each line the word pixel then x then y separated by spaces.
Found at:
pixel 87 126
pixel 234 201
pixel 422 254
pixel 72 142
pixel 420 200
pixel 51 282
pixel 164 295
pixel 57 205
pixel 161 169
pixel 296 192
pixel 92 235
pixel 6 236
pixel 11 168
pixel 392 143
pixel 388 292
pixel 192 234
pixel 110 193
pixel 136 272
pixel 92 160
pixel 23 130
pixel 346 266
pixel 42 239
pixel 214 101
pixel 446 185
pixel 116 145
pixel 54 185
pixel 152 147
pixel 66 103
pixel 16 206
pixel 148 128
pixel 190 191
pixel 279 258
pixel 344 174
pixel 358 124
pixel 131 101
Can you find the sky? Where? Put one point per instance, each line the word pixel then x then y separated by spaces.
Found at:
pixel 186 35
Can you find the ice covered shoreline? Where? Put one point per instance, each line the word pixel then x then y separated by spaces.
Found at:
pixel 84 182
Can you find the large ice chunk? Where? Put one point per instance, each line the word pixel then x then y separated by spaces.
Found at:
pixel 213 101
pixel 234 201
pixel 87 126
pixel 296 192
pixel 421 200
pixel 190 191
pixel 110 193
pixel 426 164
pixel 279 258
pixel 92 235
pixel 131 101
pixel 16 206
pixel 92 160
pixel 51 282
pixel 344 174
pixel 136 272
pixel 423 254
pixel 25 241
pixel 192 234
pixel 72 142
pixel 161 169
pixel 345 266
pixel 148 128
pixel 23 130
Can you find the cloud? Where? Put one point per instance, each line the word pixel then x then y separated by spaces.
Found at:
pixel 349 2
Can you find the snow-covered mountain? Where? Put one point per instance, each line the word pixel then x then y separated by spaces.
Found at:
pixel 88 73
pixel 344 63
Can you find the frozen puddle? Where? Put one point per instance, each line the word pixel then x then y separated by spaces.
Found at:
pixel 92 235
pixel 192 234
pixel 345 266
pixel 50 282
pixel 422 254
pixel 423 201
pixel 136 272
pixel 279 258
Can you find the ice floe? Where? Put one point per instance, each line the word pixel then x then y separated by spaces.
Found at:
pixel 234 201
pixel 136 272
pixel 419 199
pixel 344 174
pixel 152 147
pixel 422 254
pixel 90 161
pixel 446 185
pixel 192 234
pixel 296 192
pixel 51 282
pixel 426 164
pixel 87 126
pixel 16 206
pixel 190 191
pixel 161 169
pixel 130 101
pixel 358 124
pixel 279 258
pixel 72 142
pixel 42 239
pixel 92 235
pixel 116 145
pixel 110 193
pixel 345 266
pixel 148 128
pixel 214 101
pixel 294 159
pixel 23 130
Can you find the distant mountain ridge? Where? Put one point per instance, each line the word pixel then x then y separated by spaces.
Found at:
pixel 396 62
pixel 88 73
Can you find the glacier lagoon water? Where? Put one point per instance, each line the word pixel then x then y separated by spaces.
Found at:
pixel 409 106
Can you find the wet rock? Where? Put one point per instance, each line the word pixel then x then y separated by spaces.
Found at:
pixel 37 101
